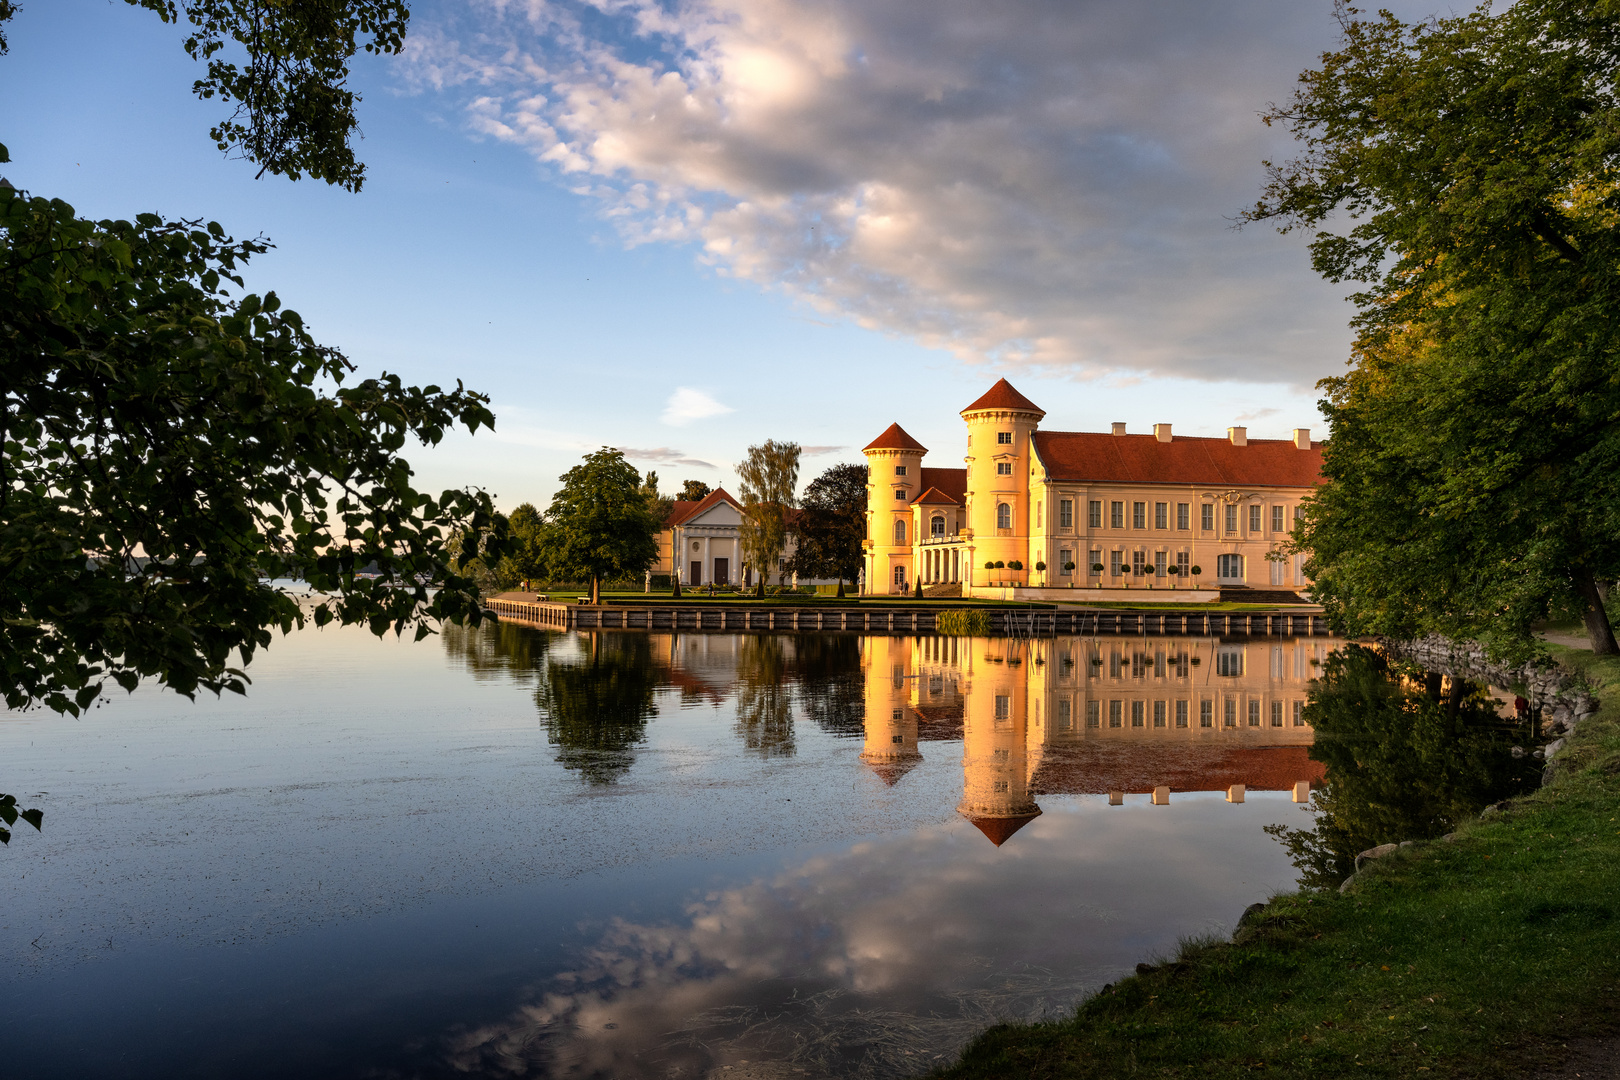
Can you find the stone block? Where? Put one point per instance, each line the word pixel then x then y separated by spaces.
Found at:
pixel 1161 796
pixel 1235 793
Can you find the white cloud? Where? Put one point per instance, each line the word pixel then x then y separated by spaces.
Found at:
pixel 663 455
pixel 1042 185
pixel 686 405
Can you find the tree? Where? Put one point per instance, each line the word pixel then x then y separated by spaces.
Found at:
pixel 659 505
pixel 596 709
pixel 694 491
pixel 599 524
pixel 293 112
pixel 525 555
pixel 770 480
pixel 169 446
pixel 831 525
pixel 1470 484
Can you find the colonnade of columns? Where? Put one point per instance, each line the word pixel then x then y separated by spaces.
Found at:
pixel 941 565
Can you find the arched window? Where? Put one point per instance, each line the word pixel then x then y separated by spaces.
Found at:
pixel 936 527
pixel 1003 516
pixel 900 530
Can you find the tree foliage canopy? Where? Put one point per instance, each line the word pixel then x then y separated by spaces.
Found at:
pixel 600 524
pixel 770 481
pixel 832 523
pixel 1472 475
pixel 294 113
pixel 168 445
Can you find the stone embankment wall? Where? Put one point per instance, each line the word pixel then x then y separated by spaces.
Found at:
pixel 1561 697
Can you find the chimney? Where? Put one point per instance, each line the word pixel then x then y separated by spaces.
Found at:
pixel 1119 427
pixel 1161 432
pixel 1302 438
pixel 1238 435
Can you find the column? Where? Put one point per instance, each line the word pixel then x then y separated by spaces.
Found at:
pixel 708 558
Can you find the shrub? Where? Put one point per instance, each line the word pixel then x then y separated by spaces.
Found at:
pixel 1096 567
pixel 997 565
pixel 1014 565
pixel 1040 565
pixel 989 564
pixel 1198 570
pixel 958 621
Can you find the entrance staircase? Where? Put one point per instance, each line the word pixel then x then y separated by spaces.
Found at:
pixel 1243 594
pixel 953 588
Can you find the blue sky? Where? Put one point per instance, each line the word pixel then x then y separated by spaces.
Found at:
pixel 685 228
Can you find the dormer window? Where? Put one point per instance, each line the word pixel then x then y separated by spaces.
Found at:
pixel 1003 468
pixel 899 470
pixel 1003 438
pixel 899 493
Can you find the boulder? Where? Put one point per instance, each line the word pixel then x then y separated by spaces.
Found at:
pixel 1375 853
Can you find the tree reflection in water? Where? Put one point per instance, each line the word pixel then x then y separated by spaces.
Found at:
pixel 764 696
pixel 831 684
pixel 1407 759
pixel 496 649
pixel 596 707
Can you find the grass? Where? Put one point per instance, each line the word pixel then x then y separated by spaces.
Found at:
pixel 1475 958
pixel 698 596
pixel 1208 605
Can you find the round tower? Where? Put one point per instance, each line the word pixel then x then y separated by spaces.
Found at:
pixel 891 718
pixel 894 479
pixel 997 763
pixel 1000 426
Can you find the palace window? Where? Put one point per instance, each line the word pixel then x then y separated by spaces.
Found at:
pixel 900 493
pixel 899 714
pixel 899 470
pixel 1003 438
pixel 1136 714
pixel 1161 515
pixel 1091 714
pixel 1276 714
pixel 1229 662
pixel 1114 560
pixel 1276 519
pixel 1116 515
pixel 900 531
pixel 1064 719
pixel 1299 714
pixel 1003 707
pixel 1065 513
pixel 1181 714
pixel 936 527
pixel 1138 560
pixel 1003 468
pixel 900 578
pixel 1231 713
pixel 1116 713
pixel 1094 561
pixel 1231 518
pixel 1158 714
pixel 1206 713
pixel 1206 517
pixel 1183 564
pixel 1139 515
pixel 1254 518
pixel 1065 557
pixel 1158 563
pixel 1003 516
pixel 1229 567
pixel 897 740
pixel 1254 713
pixel 1094 513
pixel 1183 521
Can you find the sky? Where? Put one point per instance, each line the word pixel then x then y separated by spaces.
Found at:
pixel 684 227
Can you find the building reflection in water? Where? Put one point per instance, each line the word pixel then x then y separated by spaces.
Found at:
pixel 1093 715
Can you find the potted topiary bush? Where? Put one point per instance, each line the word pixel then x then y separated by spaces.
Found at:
pixel 1195 571
pixel 1014 565
pixel 1041 566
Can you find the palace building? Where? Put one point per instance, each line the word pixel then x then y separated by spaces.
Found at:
pixel 1040 514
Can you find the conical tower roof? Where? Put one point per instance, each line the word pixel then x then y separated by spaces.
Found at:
pixel 1003 396
pixel 894 437
pixel 1000 829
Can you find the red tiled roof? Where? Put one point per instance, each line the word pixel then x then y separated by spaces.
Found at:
pixel 1003 396
pixel 1143 459
pixel 935 496
pixel 890 772
pixel 1097 766
pixel 951 483
pixel 894 437
pixel 1000 829
pixel 683 511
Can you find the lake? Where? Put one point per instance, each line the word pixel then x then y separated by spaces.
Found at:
pixel 512 852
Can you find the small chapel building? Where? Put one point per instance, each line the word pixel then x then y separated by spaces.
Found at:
pixel 1042 514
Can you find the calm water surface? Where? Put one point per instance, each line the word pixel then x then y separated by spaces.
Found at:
pixel 508 852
